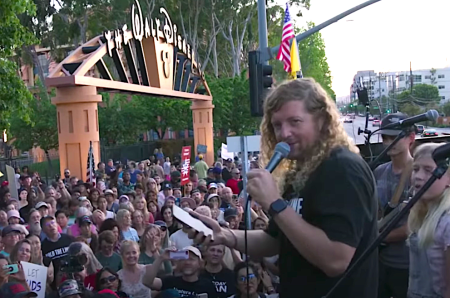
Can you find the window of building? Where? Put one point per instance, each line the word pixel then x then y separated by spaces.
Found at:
pixel 44 65
pixel 441 76
pixel 170 133
pixel 190 133
pixel 443 97
pixel 401 78
pixel 427 77
pixel 181 134
pixel 441 87
pixel 417 78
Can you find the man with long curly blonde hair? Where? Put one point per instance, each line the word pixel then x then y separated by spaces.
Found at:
pixel 322 198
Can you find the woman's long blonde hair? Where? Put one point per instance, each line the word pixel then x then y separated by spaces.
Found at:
pixel 332 133
pixel 425 215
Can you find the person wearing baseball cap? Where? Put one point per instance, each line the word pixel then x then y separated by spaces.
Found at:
pixel 190 283
pixel 10 236
pixel 42 207
pixel 394 256
pixel 69 289
pixel 15 290
pixel 167 189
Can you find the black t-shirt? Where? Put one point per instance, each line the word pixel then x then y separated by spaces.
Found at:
pixel 188 289
pixel 25 212
pixel 226 174
pixel 340 199
pixel 224 282
pixel 56 250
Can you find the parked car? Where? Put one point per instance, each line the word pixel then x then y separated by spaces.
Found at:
pixel 376 122
pixel 348 120
pixel 371 118
pixel 419 129
pixel 430 133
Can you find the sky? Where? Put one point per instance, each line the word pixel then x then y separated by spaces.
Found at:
pixel 382 37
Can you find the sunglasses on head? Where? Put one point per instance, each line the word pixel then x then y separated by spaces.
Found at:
pixel 163 228
pixel 109 279
pixel 244 278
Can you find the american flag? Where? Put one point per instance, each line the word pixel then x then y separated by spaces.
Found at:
pixel 284 53
pixel 90 173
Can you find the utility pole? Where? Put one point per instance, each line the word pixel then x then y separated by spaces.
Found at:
pixel 262 28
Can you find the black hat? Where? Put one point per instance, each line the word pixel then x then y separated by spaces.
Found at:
pixel 392 119
pixel 44 219
pixel 9 229
pixel 166 185
pixel 230 212
pixel 84 219
pixel 15 290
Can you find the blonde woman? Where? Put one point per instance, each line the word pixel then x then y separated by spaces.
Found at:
pixel 138 223
pixel 124 221
pixel 132 272
pixel 429 224
pixel 141 204
pixel 150 246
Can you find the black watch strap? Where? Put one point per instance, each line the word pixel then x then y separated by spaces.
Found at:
pixel 277 207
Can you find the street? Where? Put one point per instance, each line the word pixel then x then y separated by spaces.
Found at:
pixel 352 130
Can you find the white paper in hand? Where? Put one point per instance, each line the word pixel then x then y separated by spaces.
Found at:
pixel 185 218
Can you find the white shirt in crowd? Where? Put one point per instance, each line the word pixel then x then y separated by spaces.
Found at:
pixel 180 239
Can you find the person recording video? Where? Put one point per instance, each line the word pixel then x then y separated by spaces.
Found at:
pixel 323 208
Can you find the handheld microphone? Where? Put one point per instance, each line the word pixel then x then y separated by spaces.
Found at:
pixel 281 151
pixel 441 153
pixel 431 115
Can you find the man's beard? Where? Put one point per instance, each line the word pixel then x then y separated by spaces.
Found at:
pixel 35 228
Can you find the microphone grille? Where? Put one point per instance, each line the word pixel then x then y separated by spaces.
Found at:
pixel 432 115
pixel 283 148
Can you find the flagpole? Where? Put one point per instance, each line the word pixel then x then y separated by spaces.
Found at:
pixel 90 161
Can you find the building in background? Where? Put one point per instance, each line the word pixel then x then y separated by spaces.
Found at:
pixel 383 85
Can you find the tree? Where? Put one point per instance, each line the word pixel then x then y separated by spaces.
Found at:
pixel 446 109
pixel 14 95
pixel 232 106
pixel 118 123
pixel 41 131
pixel 425 96
pixel 314 60
pixel 410 109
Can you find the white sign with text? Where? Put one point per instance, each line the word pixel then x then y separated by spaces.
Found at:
pixel 36 276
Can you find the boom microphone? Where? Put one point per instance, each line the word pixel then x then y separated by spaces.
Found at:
pixel 431 115
pixel 281 152
pixel 441 153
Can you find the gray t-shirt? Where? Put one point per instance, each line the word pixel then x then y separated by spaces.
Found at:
pixel 393 254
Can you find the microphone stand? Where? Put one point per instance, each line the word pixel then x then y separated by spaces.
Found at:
pixel 366 130
pixel 373 164
pixel 440 170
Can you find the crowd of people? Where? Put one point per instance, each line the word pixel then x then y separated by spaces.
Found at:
pixel 319 211
pixel 120 234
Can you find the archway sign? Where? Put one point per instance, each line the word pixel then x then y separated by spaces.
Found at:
pixel 150 59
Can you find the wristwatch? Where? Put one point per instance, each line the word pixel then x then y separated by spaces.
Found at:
pixel 277 207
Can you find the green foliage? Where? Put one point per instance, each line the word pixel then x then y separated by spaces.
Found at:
pixel 14 96
pixel 410 109
pixel 42 128
pixel 232 105
pixel 123 118
pixel 423 97
pixel 446 109
pixel 314 60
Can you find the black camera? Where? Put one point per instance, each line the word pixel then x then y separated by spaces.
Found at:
pixel 73 264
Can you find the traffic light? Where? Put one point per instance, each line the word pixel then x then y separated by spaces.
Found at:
pixel 351 105
pixel 388 111
pixel 260 78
